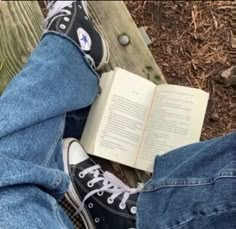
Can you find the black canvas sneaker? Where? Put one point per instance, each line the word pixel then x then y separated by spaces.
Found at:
pixel 102 200
pixel 70 19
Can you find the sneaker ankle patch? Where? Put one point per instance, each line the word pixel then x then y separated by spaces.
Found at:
pixel 84 39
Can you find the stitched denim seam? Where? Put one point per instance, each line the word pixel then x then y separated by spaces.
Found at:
pixel 208 181
pixel 53 146
pixel 208 215
pixel 191 157
pixel 228 169
pixel 59 218
pixel 56 212
pixel 56 181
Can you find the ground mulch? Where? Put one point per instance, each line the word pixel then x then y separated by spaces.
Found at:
pixel 191 43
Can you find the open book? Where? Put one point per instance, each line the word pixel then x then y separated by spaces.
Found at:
pixel 133 120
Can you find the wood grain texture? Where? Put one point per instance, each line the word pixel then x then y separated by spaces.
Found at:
pixel 113 19
pixel 20 29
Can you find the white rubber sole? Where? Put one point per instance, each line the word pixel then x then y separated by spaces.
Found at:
pixel 106 55
pixel 71 195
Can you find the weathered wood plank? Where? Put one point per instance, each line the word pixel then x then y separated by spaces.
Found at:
pixel 20 29
pixel 113 19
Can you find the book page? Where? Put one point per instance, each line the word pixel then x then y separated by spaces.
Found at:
pixel 122 126
pixel 96 112
pixel 175 120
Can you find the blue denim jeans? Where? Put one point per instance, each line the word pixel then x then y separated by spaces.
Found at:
pixel 193 187
pixel 56 80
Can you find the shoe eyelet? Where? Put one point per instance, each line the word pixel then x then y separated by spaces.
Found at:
pixel 80 7
pixel 62 26
pixel 85 17
pixel 90 205
pixel 110 201
pixel 133 210
pixel 97 220
pixel 122 206
pixel 100 193
pixel 81 175
pixel 89 184
pixel 66 19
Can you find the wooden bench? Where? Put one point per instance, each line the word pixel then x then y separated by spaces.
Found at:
pixel 21 28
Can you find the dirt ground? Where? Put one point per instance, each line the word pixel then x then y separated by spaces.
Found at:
pixel 191 43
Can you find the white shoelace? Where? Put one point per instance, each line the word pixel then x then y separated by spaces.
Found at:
pixel 55 7
pixel 111 184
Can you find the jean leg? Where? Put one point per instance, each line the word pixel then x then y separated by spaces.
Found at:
pixel 75 122
pixel 55 80
pixel 192 187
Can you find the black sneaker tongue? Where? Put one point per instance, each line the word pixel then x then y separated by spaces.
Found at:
pixel 85 164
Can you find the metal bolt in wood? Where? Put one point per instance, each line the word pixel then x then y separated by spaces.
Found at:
pixel 124 39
